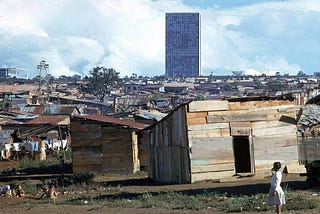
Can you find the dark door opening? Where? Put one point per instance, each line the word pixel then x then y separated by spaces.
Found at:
pixel 242 157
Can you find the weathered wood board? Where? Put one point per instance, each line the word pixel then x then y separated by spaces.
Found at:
pixel 85 142
pixel 247 115
pixel 209 127
pixel 208 105
pixel 269 131
pixel 86 135
pixel 209 133
pixel 192 115
pixel 292 166
pixel 269 124
pixel 196 121
pixel 217 119
pixel 240 129
pixel 247 105
pixel 211 175
pixel 78 127
pixel 212 167
pixel 214 148
pixel 283 147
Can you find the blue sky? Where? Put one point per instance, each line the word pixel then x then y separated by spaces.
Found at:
pixel 221 3
pixel 73 36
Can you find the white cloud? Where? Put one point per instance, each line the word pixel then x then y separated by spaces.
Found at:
pixel 86 50
pixel 138 40
pixel 74 36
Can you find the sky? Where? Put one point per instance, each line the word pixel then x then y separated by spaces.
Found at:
pixel 74 36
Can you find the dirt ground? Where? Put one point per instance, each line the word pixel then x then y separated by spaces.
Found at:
pixel 129 185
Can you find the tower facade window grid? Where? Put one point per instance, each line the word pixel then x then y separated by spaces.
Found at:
pixel 182 45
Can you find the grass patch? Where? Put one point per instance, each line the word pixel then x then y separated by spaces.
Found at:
pixel 83 190
pixel 163 200
pixel 258 203
pixel 98 195
pixel 174 200
pixel 52 159
pixel 299 202
pixel 26 163
pixel 247 203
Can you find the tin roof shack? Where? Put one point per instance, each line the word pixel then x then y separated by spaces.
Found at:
pixel 309 133
pixel 104 144
pixel 217 139
pixel 168 149
pixel 39 125
pixel 53 127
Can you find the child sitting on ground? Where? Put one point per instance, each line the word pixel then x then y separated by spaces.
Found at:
pixel 49 192
pixel 20 192
pixel 45 191
pixel 52 192
pixel 6 190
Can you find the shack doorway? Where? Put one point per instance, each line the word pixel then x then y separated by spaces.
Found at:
pixel 242 154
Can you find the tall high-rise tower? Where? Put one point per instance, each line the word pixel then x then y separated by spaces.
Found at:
pixel 183 45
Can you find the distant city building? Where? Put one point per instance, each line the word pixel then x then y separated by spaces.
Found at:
pixel 6 73
pixel 183 45
pixel 237 73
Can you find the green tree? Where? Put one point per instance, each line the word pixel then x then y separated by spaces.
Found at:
pixel 301 74
pixel 101 82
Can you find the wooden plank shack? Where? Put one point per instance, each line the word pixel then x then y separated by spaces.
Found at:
pixel 217 139
pixel 104 144
pixel 261 132
pixel 168 149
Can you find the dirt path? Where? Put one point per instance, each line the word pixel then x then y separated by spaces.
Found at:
pixel 244 186
pixel 133 185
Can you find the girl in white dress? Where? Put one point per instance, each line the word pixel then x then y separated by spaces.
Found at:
pixel 276 195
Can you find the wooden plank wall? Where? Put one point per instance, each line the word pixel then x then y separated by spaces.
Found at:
pixel 86 147
pixel 119 152
pixel 210 141
pixel 195 142
pixel 211 125
pixel 168 149
pixel 100 148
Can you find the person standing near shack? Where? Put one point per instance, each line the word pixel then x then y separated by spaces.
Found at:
pixel 276 195
pixel 42 149
pixel 62 164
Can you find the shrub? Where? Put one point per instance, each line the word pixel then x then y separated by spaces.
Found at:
pixel 26 163
pixel 82 178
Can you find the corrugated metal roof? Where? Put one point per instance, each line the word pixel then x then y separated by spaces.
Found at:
pixel 314 100
pixel 113 120
pixel 152 115
pixel 310 115
pixel 36 109
pixel 51 119
pixel 67 110
pixel 59 109
pixel 25 117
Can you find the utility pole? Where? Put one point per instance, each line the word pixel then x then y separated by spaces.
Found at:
pixel 44 77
